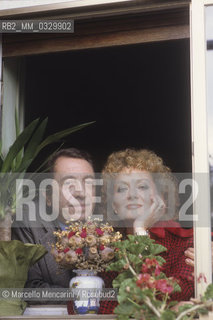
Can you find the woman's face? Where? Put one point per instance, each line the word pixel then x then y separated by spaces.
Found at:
pixel 134 191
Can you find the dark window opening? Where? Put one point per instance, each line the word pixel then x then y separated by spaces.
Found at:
pixel 139 96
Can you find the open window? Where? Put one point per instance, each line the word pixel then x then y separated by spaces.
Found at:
pixel 127 66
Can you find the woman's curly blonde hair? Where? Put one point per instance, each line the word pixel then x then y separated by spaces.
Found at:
pixel 144 160
pixel 136 159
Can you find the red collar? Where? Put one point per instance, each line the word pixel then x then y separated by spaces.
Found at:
pixel 171 226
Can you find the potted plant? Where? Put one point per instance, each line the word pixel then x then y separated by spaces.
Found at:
pixel 16 257
pixel 144 290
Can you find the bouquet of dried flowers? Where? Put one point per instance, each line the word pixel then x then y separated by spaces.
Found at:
pixel 85 245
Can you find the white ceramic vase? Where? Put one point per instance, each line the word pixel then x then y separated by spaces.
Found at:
pixel 87 287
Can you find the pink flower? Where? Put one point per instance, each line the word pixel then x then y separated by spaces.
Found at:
pixel 144 268
pixel 151 262
pixel 99 231
pixel 157 270
pixel 151 266
pixel 145 281
pixel 143 278
pixel 66 250
pixel 163 286
pixel 101 247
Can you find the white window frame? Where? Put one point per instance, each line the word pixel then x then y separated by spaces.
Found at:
pixel 200 161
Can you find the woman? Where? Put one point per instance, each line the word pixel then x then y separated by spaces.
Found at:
pixel 140 194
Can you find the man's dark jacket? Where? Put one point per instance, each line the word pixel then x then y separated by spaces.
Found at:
pixel 45 273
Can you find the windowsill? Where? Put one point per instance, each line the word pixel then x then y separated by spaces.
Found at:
pixel 54 312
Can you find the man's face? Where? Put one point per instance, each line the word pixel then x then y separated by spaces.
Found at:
pixel 76 189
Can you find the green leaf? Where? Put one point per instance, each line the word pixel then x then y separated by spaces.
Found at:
pixel 117 266
pixel 134 259
pixel 123 293
pixel 202 311
pixel 168 315
pixel 136 248
pixel 61 134
pixel 1 156
pixel 209 292
pixel 176 287
pixel 125 309
pixel 17 123
pixel 32 146
pixel 120 278
pixel 20 142
pixel 144 245
pixel 172 304
pixel 160 260
pixel 157 248
pixel 140 239
pixel 144 240
pixel 147 292
pixel 43 164
pixel 121 244
pixel 184 308
pixel 1 163
pixel 25 165
pixel 18 131
pixel 18 158
pixel 131 237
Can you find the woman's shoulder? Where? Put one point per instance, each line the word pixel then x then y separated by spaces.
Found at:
pixel 170 228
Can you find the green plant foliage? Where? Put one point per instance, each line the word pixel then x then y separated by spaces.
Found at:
pixel 209 293
pixel 16 258
pixel 168 315
pixel 20 156
pixel 144 290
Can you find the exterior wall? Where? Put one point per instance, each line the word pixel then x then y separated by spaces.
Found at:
pixel 8 4
pixel 38 5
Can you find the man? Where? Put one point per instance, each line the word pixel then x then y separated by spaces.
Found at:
pixel 71 198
